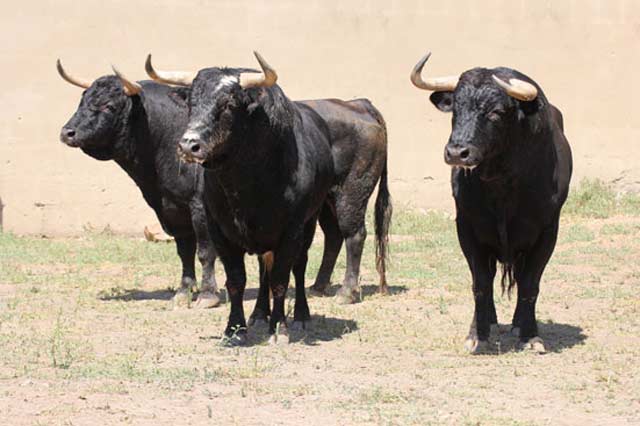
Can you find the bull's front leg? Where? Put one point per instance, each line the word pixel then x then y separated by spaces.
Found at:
pixel 209 296
pixel 528 273
pixel 301 313
pixel 283 259
pixel 236 330
pixel 483 270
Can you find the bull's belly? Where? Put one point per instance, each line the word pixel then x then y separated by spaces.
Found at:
pixel 519 238
pixel 253 239
pixel 175 218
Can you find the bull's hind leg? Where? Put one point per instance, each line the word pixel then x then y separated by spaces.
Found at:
pixel 350 210
pixel 349 292
pixel 351 207
pixel 186 247
pixel 528 274
pixel 209 296
pixel 332 245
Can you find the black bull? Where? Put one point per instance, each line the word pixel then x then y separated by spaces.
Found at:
pixel 140 132
pixel 511 167
pixel 358 140
pixel 270 172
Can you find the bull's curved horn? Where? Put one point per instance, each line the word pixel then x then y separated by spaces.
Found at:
pixel 518 89
pixel 178 78
pixel 75 81
pixel 130 87
pixel 267 79
pixel 438 84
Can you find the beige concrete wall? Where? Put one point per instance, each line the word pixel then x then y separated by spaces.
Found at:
pixel 584 53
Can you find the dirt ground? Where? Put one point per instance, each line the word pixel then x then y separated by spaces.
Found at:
pixel 88 336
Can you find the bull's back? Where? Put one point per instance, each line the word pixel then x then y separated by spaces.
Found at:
pixel 344 116
pixel 564 165
pixel 358 134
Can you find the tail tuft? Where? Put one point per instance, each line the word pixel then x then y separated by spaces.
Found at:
pixel 383 212
pixel 508 281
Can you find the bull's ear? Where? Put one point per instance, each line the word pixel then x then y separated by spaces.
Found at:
pixel 530 107
pixel 442 100
pixel 252 107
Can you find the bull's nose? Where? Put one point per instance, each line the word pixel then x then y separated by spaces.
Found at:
pixel 68 132
pixel 190 144
pixel 456 153
pixel 66 135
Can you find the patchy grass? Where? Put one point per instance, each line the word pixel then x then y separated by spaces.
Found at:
pixel 86 332
pixel 595 199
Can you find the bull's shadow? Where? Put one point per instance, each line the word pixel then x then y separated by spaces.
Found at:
pixel 366 291
pixel 320 329
pixel 129 295
pixel 557 337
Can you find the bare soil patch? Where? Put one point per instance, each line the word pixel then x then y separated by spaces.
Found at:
pixel 87 335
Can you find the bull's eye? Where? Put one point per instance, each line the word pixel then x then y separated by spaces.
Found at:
pixel 108 107
pixel 495 115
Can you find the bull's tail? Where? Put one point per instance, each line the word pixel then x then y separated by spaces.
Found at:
pixel 508 281
pixel 383 211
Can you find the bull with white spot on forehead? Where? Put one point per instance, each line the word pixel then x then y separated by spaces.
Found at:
pixel 268 169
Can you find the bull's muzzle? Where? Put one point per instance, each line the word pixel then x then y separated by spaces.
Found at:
pixel 191 147
pixel 67 135
pixel 461 155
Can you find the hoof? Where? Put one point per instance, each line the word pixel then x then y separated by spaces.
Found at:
pixel 535 344
pixel 494 330
pixel 317 291
pixel 189 284
pixel 301 325
pixel 207 300
pixel 182 298
pixel 474 346
pixel 237 339
pixel 346 297
pixel 515 331
pixel 257 322
pixel 258 317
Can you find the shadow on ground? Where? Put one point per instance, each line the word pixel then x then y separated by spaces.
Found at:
pixel 557 337
pixel 366 290
pixel 320 329
pixel 128 295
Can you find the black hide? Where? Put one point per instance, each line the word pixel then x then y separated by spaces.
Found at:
pixel 140 134
pixel 510 177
